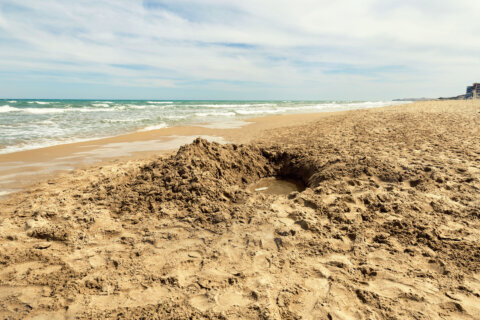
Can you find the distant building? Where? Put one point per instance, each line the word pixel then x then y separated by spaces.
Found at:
pixel 473 91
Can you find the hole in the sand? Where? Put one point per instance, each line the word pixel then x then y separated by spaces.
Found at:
pixel 275 185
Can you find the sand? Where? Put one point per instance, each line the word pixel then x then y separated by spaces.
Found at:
pixel 385 224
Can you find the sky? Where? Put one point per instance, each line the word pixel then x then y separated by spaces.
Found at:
pixel 247 49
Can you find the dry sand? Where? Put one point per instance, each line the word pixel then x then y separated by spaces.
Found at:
pixel 388 226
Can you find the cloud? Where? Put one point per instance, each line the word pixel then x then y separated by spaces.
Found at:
pixel 307 48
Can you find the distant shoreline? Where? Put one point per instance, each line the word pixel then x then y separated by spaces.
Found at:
pixel 34 124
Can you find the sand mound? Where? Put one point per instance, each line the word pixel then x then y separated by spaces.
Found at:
pixel 387 227
pixel 201 178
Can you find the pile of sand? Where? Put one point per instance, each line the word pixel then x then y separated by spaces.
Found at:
pixel 387 227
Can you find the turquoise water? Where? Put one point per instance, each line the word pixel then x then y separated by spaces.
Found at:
pixel 30 124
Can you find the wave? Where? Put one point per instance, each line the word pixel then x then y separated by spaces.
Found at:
pixel 316 107
pixel 39 102
pixel 160 102
pixel 104 105
pixel 258 111
pixel 175 117
pixel 139 106
pixel 154 127
pixel 117 108
pixel 42 110
pixel 234 105
pixel 219 114
pixel 123 120
pixel 47 122
pixel 57 110
pixel 7 108
pixel 12 101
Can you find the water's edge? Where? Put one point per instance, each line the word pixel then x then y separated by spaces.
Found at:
pixel 34 124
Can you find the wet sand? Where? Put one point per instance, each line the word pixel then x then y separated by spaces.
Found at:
pixel 387 226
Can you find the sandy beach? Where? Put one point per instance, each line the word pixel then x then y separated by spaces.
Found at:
pixel 366 214
pixel 21 169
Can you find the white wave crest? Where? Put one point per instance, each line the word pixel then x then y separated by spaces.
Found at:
pixel 234 105
pixel 175 117
pixel 7 108
pixel 258 111
pixel 219 114
pixel 39 102
pixel 123 120
pixel 104 105
pixel 42 110
pixel 139 106
pixel 62 110
pixel 160 102
pixel 96 109
pixel 154 127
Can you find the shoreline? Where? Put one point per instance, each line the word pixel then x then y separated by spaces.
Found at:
pixel 179 113
pixel 21 169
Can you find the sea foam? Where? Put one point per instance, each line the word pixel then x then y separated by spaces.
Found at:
pixel 42 110
pixel 39 102
pixel 215 114
pixel 154 127
pixel 7 108
pixel 160 102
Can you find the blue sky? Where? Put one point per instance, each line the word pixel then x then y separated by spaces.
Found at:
pixel 262 49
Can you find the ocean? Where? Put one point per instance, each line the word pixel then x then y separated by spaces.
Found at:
pixel 31 124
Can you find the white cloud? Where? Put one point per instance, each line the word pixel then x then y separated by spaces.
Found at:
pixel 388 48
